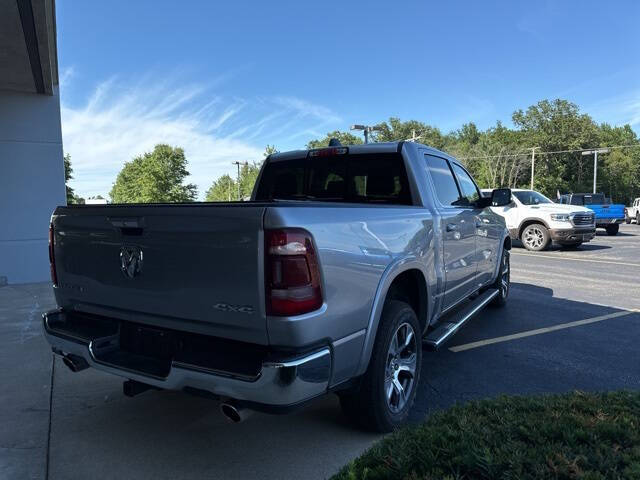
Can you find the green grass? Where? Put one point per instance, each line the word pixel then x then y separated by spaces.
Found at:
pixel 578 435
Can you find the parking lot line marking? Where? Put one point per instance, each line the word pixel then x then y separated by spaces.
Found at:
pixel 611 262
pixel 538 331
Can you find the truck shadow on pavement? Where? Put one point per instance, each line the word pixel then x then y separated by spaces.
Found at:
pixel 575 358
pixel 517 245
pixel 602 233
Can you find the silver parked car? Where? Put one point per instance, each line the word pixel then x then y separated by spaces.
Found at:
pixel 344 264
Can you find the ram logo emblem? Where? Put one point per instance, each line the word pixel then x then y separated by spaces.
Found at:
pixel 131 261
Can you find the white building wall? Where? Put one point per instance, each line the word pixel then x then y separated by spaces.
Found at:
pixel 31 182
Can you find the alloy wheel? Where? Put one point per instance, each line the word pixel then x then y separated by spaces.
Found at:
pixel 505 274
pixel 401 367
pixel 533 237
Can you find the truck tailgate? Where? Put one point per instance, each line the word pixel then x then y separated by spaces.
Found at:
pixel 200 266
pixel 611 211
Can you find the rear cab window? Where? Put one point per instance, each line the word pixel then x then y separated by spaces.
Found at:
pixel 378 178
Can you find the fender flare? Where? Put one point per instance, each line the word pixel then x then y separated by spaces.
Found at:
pixel 534 219
pixel 392 271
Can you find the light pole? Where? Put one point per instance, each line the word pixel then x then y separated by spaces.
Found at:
pixel 238 177
pixel 366 129
pixel 595 162
pixel 533 163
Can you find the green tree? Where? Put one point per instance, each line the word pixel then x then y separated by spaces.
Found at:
pixel 269 149
pixel 396 130
pixel 556 126
pixel 345 138
pixel 68 175
pixel 154 177
pixel 501 156
pixel 620 176
pixel 223 189
pixel 248 176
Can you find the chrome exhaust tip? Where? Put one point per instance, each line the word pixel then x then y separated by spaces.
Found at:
pixel 75 363
pixel 234 413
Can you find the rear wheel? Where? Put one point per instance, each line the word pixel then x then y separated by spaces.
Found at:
pixel 638 218
pixel 535 237
pixel 612 229
pixel 503 282
pixel 387 391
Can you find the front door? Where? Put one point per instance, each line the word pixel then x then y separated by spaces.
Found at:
pixel 488 229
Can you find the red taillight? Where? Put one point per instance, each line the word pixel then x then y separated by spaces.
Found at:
pixel 52 257
pixel 292 275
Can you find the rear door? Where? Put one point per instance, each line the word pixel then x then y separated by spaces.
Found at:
pixel 458 230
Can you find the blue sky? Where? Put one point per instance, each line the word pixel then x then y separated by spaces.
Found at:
pixel 223 79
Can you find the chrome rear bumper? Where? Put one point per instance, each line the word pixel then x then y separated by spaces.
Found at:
pixel 279 383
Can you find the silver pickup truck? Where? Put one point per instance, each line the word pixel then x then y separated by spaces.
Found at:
pixel 347 261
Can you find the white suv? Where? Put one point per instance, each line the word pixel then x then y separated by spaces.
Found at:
pixel 536 221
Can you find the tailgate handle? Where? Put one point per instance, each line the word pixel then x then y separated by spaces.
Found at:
pixel 133 226
pixel 132 231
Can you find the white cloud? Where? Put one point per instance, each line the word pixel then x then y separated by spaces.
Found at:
pixel 118 122
pixel 618 110
pixel 65 76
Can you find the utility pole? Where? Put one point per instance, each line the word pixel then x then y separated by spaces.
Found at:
pixel 238 177
pixel 595 163
pixel 533 163
pixel 366 129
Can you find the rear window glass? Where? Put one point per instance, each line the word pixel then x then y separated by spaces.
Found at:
pixel 593 199
pixel 366 178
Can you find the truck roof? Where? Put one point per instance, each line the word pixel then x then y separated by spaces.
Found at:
pixel 376 147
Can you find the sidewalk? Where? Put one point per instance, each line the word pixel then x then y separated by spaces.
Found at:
pixel 25 378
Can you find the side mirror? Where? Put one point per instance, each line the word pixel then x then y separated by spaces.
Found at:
pixel 501 197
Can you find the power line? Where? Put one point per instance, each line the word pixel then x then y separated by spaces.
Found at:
pixel 544 153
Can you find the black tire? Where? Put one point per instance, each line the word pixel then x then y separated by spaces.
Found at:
pixel 570 246
pixel 612 229
pixel 504 273
pixel 535 237
pixel 367 405
pixel 637 218
pixel 627 219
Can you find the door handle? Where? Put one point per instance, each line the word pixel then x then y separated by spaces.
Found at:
pixel 452 227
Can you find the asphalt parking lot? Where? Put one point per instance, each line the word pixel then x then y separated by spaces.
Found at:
pixel 572 322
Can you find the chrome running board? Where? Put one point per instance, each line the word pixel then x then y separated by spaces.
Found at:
pixel 443 332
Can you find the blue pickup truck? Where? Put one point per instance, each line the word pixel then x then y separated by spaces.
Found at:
pixel 608 216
